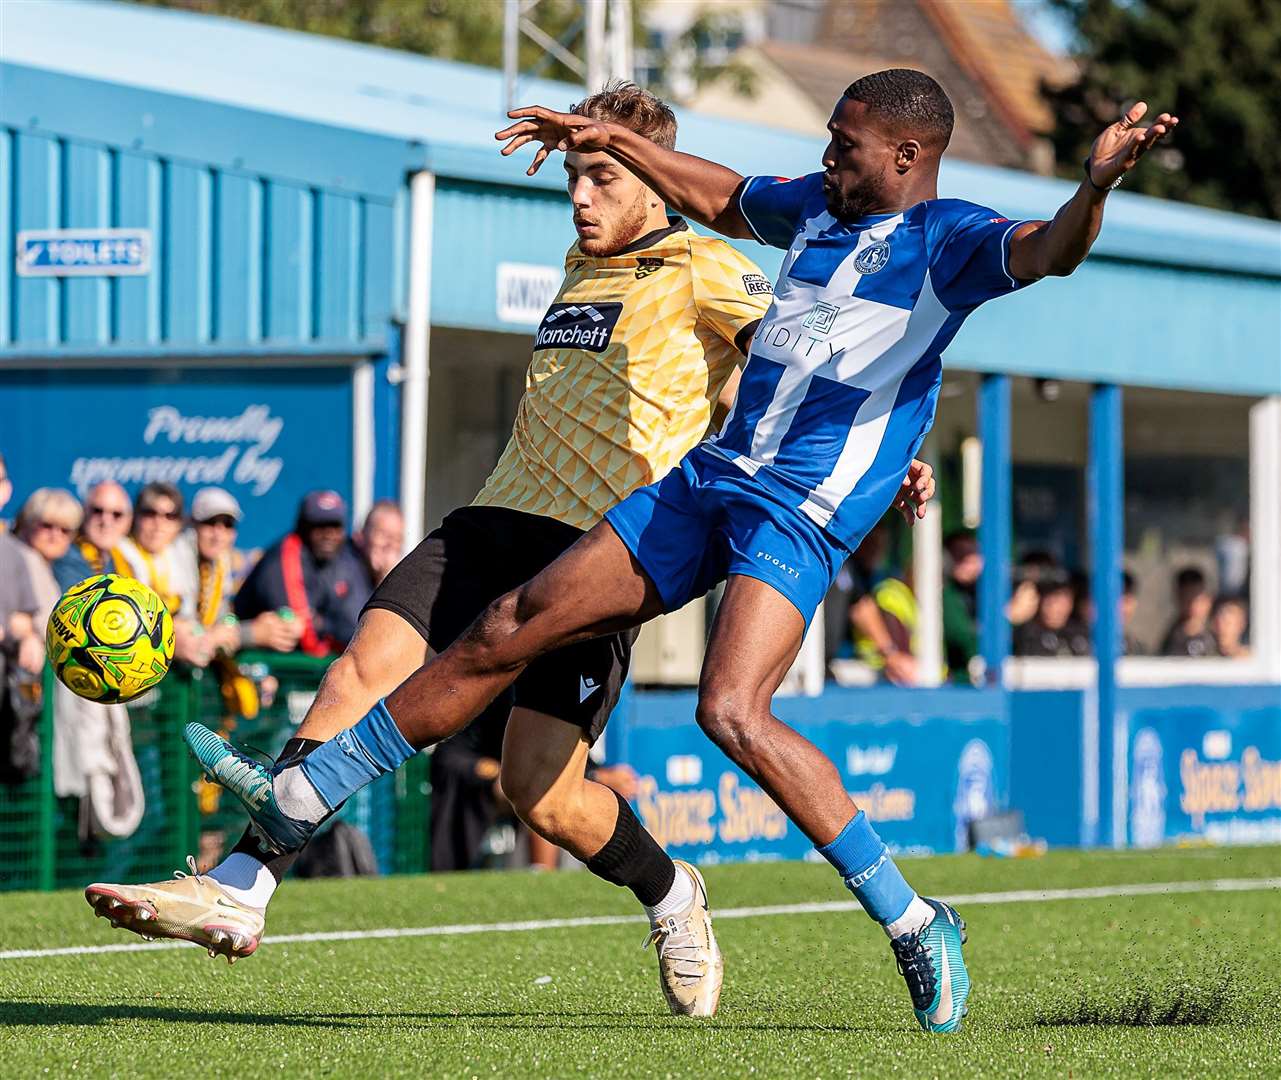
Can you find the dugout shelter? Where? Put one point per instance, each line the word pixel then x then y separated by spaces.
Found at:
pixel 239 255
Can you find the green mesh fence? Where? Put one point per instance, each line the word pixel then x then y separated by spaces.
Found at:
pixel 43 844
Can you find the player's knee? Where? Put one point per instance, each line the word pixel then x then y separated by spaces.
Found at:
pixel 492 638
pixel 353 680
pixel 730 721
pixel 550 812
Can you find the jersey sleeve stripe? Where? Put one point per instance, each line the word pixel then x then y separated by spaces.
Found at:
pixel 743 210
pixel 1005 252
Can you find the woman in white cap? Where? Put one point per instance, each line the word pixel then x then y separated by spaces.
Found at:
pixel 221 567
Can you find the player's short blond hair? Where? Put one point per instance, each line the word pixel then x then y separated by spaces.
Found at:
pixel 625 103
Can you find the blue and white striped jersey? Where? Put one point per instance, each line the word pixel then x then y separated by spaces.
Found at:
pixel 844 372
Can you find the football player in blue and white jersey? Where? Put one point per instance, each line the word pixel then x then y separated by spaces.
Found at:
pixel 837 394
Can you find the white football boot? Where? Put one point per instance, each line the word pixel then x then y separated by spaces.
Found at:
pixel 188 908
pixel 690 968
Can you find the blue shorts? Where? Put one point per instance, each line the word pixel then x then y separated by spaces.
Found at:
pixel 707 519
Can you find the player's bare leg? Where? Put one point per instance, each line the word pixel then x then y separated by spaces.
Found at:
pixel 544 767
pixel 594 588
pixel 224 910
pixel 754 640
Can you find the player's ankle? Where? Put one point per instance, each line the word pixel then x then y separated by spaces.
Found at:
pixel 247 880
pixel 677 899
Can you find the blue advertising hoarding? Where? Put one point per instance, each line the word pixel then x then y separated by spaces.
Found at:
pixel 1204 765
pixel 922 765
pixel 267 436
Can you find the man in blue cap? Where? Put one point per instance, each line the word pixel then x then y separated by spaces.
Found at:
pixel 313 573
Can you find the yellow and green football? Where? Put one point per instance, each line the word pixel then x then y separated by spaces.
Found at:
pixel 110 638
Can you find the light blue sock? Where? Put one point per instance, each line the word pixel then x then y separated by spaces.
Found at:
pixel 357 756
pixel 868 871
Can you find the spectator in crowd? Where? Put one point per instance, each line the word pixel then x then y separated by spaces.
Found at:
pixel 850 606
pixel 1130 645
pixel 313 573
pixel 960 602
pixel 1228 623
pixel 107 520
pixel 220 568
pixel 152 555
pixel 1190 634
pixel 21 644
pixel 896 611
pixel 1053 631
pixel 46 524
pixel 381 540
pixel 1026 598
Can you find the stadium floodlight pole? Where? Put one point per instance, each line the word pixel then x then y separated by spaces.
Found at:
pixel 603 36
pixel 416 364
pixel 620 59
pixel 594 17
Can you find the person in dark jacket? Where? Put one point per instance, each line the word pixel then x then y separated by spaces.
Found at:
pixel 1053 632
pixel 314 573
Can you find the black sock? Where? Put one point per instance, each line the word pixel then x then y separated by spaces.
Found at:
pixel 295 750
pixel 633 858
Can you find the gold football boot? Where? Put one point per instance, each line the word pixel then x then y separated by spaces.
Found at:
pixel 191 907
pixel 690 968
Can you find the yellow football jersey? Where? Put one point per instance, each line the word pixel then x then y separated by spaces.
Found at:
pixel 628 363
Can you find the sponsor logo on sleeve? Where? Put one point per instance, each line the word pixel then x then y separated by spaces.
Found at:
pixel 757 285
pixel 578 326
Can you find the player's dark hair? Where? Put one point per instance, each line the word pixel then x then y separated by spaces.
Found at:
pixel 625 103
pixel 909 99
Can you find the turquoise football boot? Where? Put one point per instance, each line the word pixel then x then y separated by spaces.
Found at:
pixel 249 781
pixel 934 969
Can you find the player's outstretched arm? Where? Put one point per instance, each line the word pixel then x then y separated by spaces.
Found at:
pixel 1043 248
pixel 690 185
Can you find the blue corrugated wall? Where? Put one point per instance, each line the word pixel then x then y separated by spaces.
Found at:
pixel 241 261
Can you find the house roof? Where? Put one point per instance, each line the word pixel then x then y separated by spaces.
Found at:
pixel 822 74
pixel 157 77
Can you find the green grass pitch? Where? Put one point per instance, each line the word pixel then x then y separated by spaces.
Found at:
pixel 1174 985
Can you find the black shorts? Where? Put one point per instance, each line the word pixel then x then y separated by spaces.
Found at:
pixel 478 554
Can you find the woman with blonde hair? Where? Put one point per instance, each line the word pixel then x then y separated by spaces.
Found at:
pixel 92 744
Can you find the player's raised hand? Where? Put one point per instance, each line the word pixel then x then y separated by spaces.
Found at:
pixel 1118 149
pixel 915 492
pixel 554 130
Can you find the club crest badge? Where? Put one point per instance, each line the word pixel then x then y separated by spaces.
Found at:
pixel 873 257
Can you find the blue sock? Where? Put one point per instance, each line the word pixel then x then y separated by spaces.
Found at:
pixel 356 757
pixel 867 869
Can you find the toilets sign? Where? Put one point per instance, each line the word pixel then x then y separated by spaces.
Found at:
pixel 83 252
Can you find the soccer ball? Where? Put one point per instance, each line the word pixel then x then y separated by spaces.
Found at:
pixel 110 638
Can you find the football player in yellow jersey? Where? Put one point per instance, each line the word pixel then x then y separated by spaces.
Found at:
pixel 628 365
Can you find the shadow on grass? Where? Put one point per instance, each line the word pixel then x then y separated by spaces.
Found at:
pixel 47 1013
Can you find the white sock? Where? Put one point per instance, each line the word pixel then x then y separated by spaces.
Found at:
pixel 678 898
pixel 296 796
pixel 916 918
pixel 244 878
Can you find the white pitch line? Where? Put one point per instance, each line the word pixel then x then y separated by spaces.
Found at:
pixel 1024 896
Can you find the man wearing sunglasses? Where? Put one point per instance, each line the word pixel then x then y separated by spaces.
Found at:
pixel 108 516
pixel 221 567
pixel 151 555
